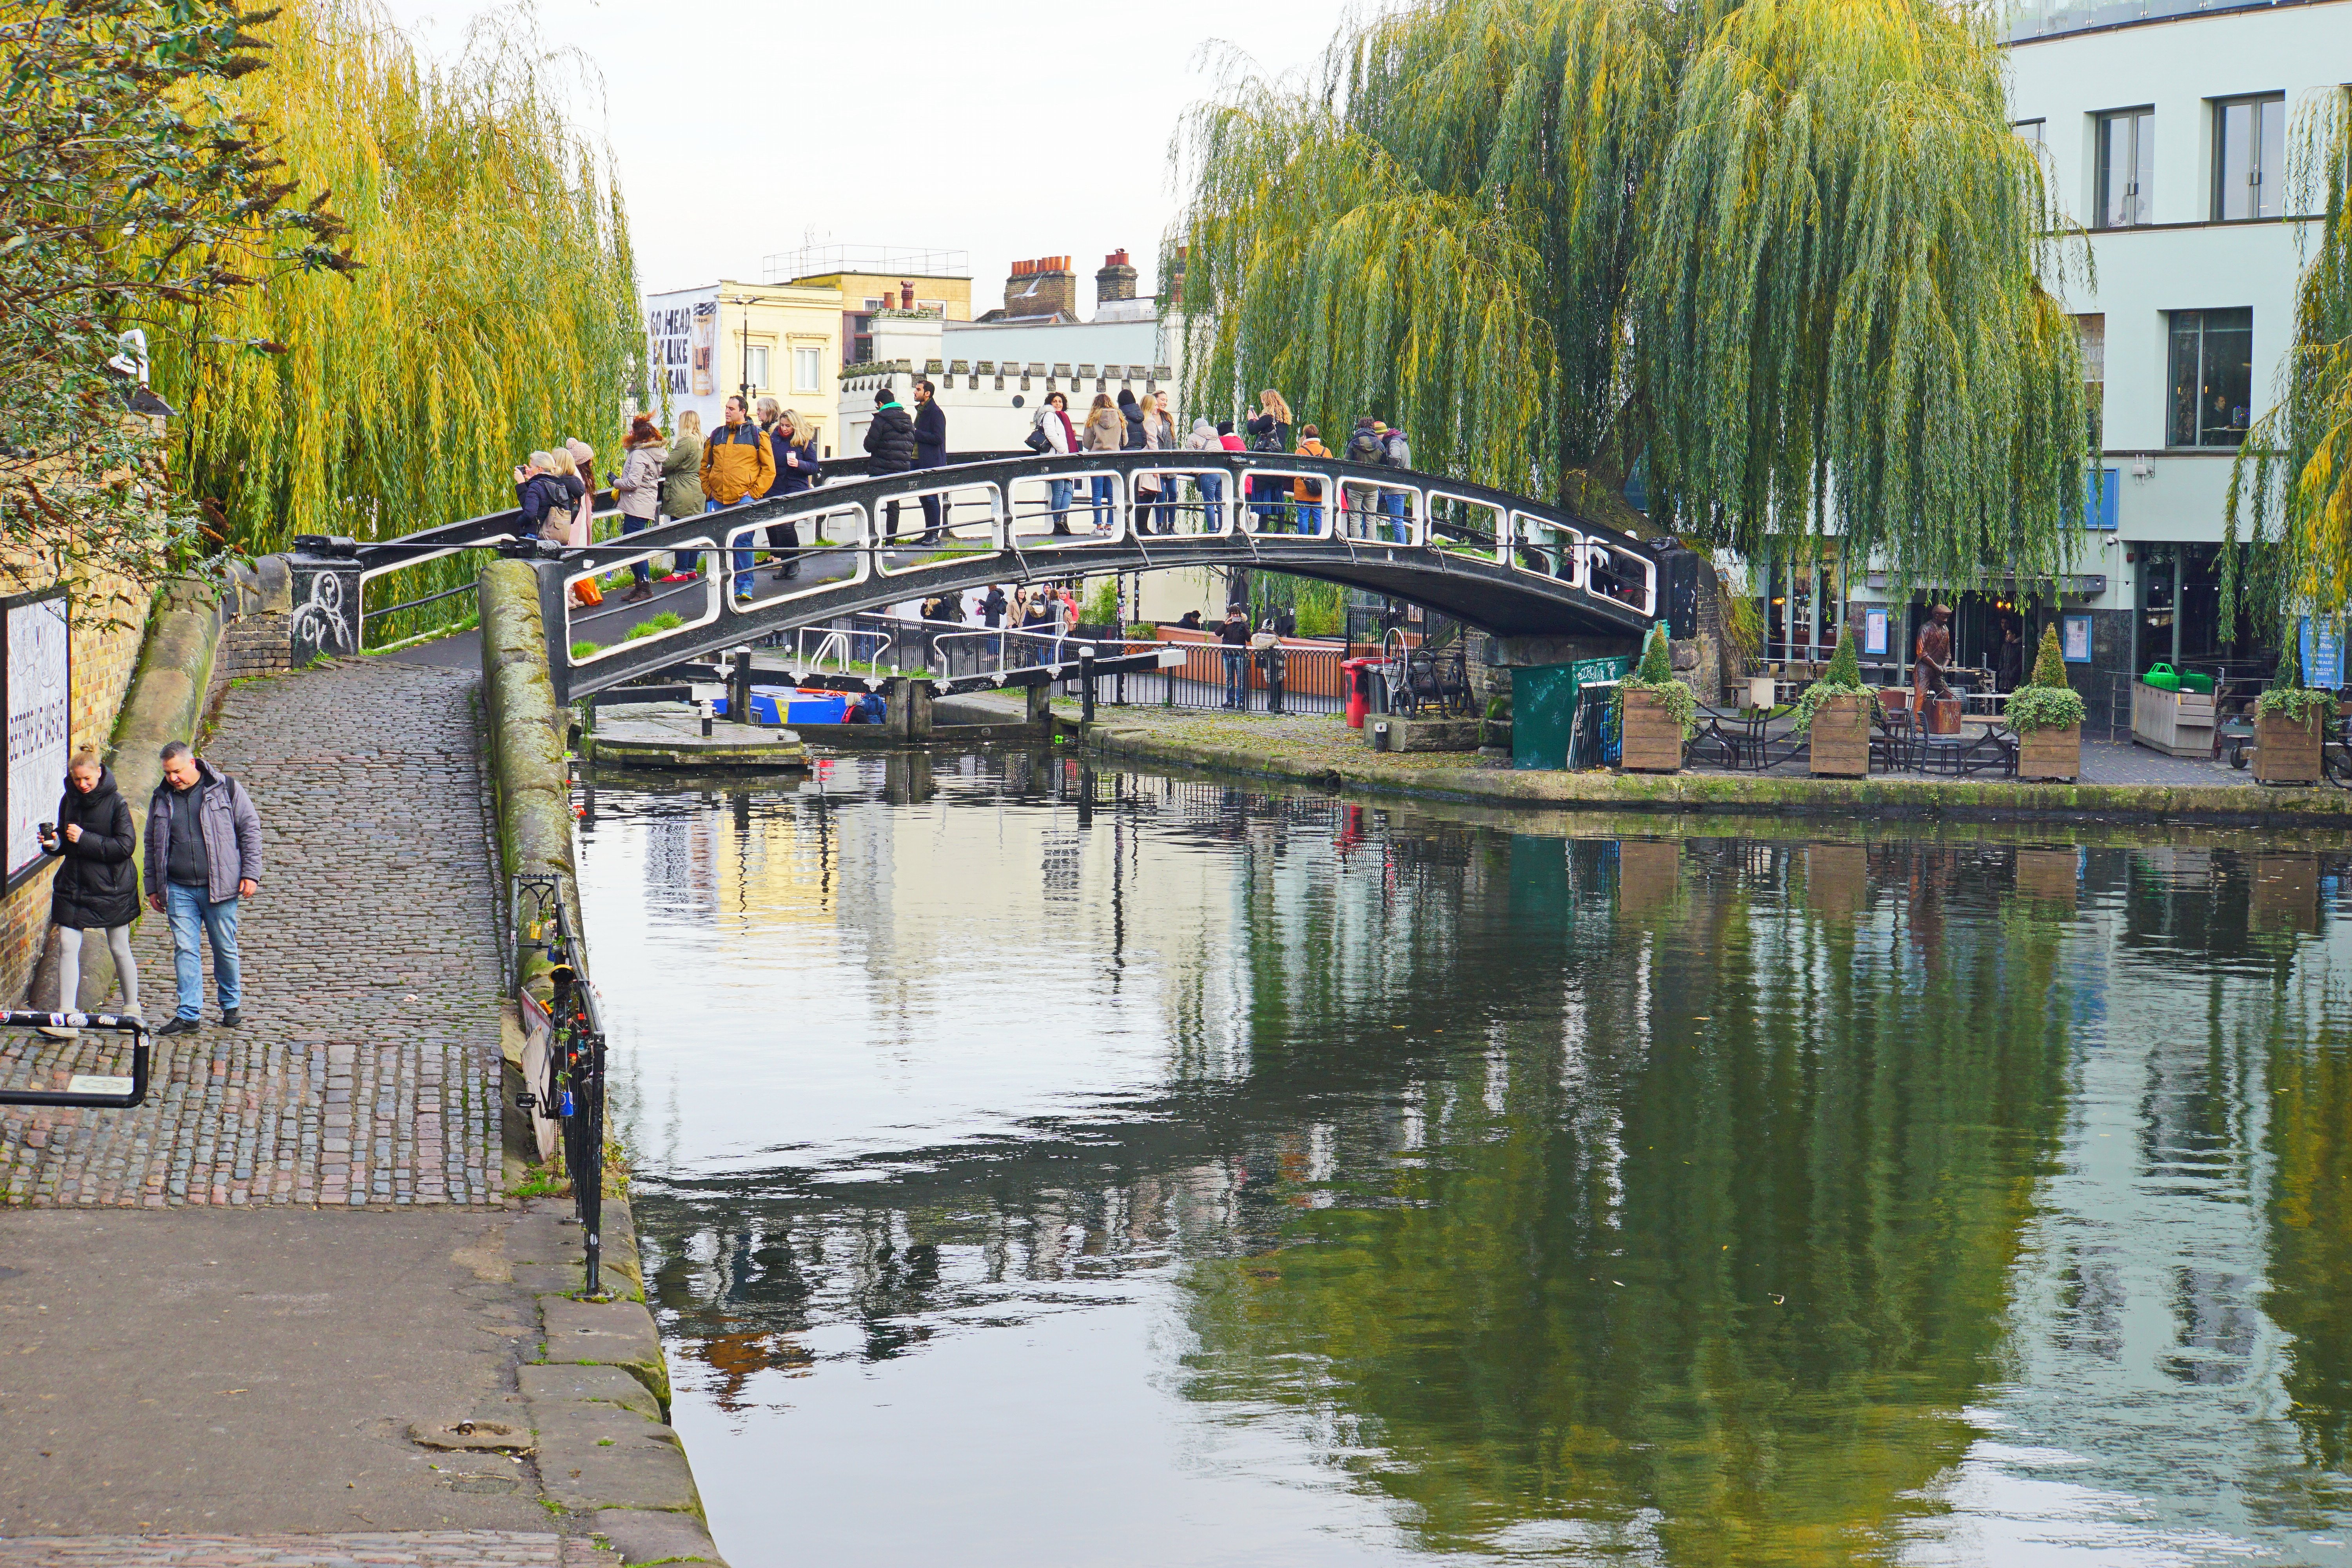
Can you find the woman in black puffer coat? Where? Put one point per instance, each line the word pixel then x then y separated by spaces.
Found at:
pixel 96 885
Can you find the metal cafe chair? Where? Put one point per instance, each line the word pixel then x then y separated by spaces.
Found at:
pixel 1897 746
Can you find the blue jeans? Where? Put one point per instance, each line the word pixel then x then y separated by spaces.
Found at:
pixel 1104 511
pixel 742 557
pixel 1213 501
pixel 1310 518
pixel 1236 678
pixel 1059 492
pixel 642 571
pixel 189 910
pixel 1392 503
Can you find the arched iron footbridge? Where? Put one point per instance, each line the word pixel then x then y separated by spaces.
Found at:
pixel 1503 563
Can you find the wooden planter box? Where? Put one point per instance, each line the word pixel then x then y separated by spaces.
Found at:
pixel 1840 743
pixel 2051 753
pixel 2286 752
pixel 1653 742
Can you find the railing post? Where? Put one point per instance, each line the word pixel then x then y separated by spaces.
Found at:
pixel 1085 686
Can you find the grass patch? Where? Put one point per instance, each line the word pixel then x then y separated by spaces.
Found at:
pixel 583 647
pixel 667 621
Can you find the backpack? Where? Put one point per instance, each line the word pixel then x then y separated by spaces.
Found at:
pixel 1363 447
pixel 1269 442
pixel 1395 451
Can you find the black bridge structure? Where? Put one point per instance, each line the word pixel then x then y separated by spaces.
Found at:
pixel 1503 563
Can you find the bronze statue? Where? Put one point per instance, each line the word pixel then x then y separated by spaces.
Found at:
pixel 1932 654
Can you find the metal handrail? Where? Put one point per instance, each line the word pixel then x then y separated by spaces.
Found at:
pixel 573 1089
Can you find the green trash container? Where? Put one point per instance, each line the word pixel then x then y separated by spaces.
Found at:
pixel 2162 676
pixel 2201 684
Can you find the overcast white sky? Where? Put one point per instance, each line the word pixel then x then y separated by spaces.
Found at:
pixel 1006 128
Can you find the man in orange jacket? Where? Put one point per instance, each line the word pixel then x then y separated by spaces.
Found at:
pixel 736 465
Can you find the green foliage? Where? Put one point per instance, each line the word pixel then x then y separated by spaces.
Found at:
pixel 2047 700
pixel 1760 245
pixel 2290 476
pixel 1321 607
pixel 1842 679
pixel 1845 664
pixel 1656 674
pixel 2296 704
pixel 497 313
pixel 131 192
pixel 2288 676
pixel 583 647
pixel 1743 627
pixel 2049 661
pixel 1101 606
pixel 667 620
pixel 2041 707
pixel 1657 665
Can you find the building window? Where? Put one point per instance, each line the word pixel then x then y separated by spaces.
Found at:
pixel 2212 378
pixel 755 367
pixel 2034 130
pixel 2127 168
pixel 2091 337
pixel 2249 157
pixel 806 365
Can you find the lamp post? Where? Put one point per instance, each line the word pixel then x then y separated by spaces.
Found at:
pixel 739 302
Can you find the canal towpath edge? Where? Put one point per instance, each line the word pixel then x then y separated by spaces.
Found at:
pixel 228 1317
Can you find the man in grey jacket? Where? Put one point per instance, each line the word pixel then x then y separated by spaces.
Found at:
pixel 204 855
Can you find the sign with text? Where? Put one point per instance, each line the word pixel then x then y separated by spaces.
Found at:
pixel 40 721
pixel 2323 652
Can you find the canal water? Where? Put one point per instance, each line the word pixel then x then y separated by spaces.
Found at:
pixel 1042 1165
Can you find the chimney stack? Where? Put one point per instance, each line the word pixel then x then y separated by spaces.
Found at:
pixel 1116 280
pixel 1041 287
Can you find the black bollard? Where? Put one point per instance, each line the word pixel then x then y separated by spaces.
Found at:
pixel 1085 686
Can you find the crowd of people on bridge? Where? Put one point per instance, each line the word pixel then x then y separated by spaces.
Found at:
pixel 763 451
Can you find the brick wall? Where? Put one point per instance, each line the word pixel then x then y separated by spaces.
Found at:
pixel 258 645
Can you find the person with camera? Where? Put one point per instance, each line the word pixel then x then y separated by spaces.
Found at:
pixel 96 886
pixel 204 855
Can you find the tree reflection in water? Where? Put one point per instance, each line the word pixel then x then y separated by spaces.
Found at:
pixel 1693 1199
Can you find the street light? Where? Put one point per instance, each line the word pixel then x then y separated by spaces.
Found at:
pixel 738 301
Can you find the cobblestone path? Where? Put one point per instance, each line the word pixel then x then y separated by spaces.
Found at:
pixel 416 1548
pixel 367 1071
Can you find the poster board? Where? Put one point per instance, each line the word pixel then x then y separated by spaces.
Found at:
pixel 2075 639
pixel 1874 632
pixel 38 689
pixel 2322 648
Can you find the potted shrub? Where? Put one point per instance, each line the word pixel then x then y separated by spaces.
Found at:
pixel 1836 712
pixel 2047 714
pixel 1656 713
pixel 2290 725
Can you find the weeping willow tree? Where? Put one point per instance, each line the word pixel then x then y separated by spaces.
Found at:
pixel 2292 478
pixel 497 313
pixel 1789 252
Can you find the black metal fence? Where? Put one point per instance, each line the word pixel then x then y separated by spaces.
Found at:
pixel 571 1086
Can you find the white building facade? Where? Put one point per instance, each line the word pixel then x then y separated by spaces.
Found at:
pixel 2166 132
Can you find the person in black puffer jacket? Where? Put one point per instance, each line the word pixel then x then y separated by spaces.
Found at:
pixel 890 442
pixel 97 886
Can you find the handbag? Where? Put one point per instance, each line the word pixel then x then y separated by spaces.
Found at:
pixel 1036 441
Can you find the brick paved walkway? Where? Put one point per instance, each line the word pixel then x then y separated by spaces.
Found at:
pixel 420 1549
pixel 367 1071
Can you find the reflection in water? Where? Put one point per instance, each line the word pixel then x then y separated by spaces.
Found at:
pixel 1045 1165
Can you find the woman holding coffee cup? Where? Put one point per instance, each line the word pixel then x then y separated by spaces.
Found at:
pixel 96 884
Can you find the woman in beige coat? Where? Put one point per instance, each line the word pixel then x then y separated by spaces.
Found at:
pixel 1105 432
